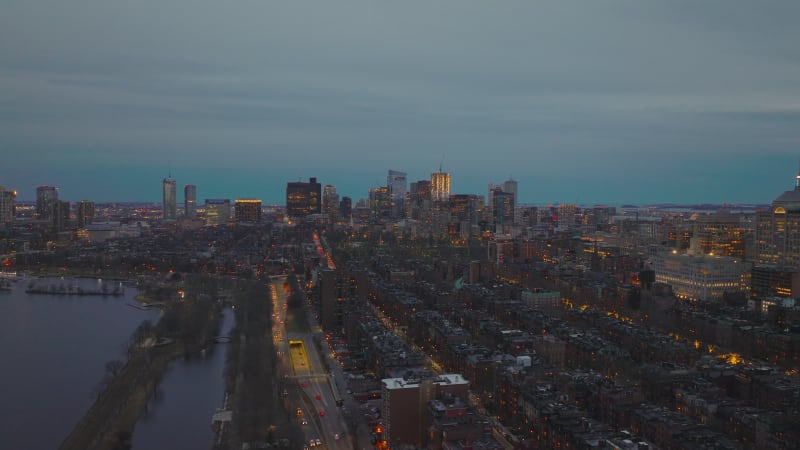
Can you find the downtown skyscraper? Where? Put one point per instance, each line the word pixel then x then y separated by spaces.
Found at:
pixel 169 195
pixel 46 198
pixel 190 201
pixel 440 186
pixel 397 184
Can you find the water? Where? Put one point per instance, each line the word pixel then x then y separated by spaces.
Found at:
pixel 188 395
pixel 53 350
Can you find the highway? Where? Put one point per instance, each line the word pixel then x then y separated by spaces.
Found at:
pixel 319 416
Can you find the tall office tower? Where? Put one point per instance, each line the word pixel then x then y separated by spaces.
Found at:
pixel 466 207
pixel 303 199
pixel 778 230
pixel 490 196
pixel 46 197
pixel 396 182
pixel 510 186
pixel 419 199
pixel 85 213
pixel 7 205
pixel 218 211
pixel 380 203
pixel 248 210
pixel 170 203
pixel 502 207
pixel 330 202
pixel 190 201
pixel 346 207
pixel 440 186
pixel 61 215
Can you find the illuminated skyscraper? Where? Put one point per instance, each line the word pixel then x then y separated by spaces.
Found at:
pixel 218 211
pixel 248 210
pixel 46 197
pixel 170 204
pixel 7 205
pixel 440 186
pixel 302 198
pixel 190 201
pixel 778 230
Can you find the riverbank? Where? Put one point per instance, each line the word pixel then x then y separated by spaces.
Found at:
pixel 191 325
pixel 112 417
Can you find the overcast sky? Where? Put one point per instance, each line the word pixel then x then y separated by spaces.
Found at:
pixel 580 102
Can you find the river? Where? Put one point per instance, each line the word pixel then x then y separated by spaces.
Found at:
pixel 53 350
pixel 179 417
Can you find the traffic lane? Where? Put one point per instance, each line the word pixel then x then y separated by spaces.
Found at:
pixel 331 418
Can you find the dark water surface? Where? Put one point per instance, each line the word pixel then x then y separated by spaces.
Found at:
pixel 179 417
pixel 53 351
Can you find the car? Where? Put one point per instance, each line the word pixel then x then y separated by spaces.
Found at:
pixel 336 436
pixel 299 411
pixel 303 421
pixel 302 363
pixel 319 397
pixel 304 384
pixel 322 413
pixel 312 443
pixel 317 441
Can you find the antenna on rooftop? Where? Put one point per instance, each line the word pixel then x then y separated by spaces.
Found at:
pixel 441 163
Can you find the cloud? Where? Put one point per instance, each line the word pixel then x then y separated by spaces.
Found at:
pixel 540 89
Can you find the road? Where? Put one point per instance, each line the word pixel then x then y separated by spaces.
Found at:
pixel 305 371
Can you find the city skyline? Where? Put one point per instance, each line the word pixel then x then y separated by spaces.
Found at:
pixel 622 102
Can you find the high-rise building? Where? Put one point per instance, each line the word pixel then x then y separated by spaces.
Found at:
pixel 396 183
pixel 46 197
pixel 218 211
pixel 7 205
pixel 190 201
pixel 405 406
pixel 303 199
pixel 85 213
pixel 419 199
pixel 380 203
pixel 778 230
pixel 510 186
pixel 440 186
pixel 502 207
pixel 465 207
pixel 346 207
pixel 61 215
pixel 330 202
pixel 170 203
pixel 248 210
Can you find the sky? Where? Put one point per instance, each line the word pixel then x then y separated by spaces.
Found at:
pixel 581 102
